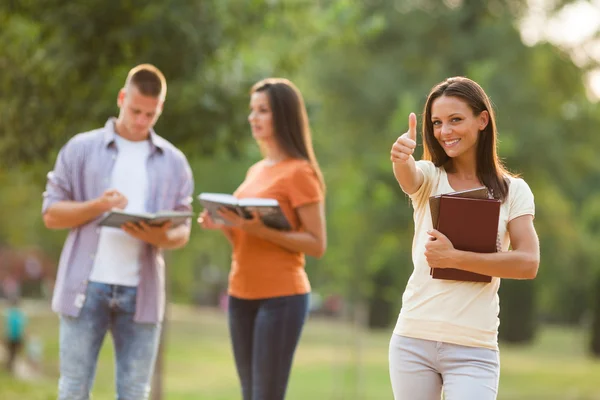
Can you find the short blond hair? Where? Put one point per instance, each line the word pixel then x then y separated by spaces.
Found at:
pixel 149 80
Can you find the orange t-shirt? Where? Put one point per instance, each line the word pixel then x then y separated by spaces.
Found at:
pixel 262 269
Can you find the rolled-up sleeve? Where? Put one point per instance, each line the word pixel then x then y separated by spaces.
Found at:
pixel 186 188
pixel 59 184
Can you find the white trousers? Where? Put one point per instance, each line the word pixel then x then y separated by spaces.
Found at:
pixel 421 369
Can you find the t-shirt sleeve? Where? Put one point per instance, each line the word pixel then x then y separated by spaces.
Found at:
pixel 186 186
pixel 521 201
pixel 250 170
pixel 304 187
pixel 428 169
pixel 59 184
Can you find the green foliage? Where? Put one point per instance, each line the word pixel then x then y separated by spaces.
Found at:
pixel 65 63
pixel 362 67
pixel 542 111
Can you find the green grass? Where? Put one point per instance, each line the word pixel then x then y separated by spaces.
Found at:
pixel 332 362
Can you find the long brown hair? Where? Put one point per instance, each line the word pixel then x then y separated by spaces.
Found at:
pixel 490 170
pixel 290 120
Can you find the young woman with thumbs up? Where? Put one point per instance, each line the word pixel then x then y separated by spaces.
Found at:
pixel 446 337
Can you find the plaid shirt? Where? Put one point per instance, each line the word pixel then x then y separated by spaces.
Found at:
pixel 83 172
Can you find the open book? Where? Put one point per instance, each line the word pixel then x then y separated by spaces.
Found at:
pixel 269 210
pixel 116 218
pixel 469 219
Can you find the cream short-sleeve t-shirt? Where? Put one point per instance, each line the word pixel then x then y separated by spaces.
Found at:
pixel 463 313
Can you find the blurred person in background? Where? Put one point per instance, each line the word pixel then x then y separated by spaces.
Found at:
pixel 113 279
pixel 14 335
pixel 446 337
pixel 268 286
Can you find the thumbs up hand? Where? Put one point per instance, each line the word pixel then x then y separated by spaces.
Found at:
pixel 404 147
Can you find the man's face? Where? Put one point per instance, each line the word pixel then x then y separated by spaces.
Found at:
pixel 138 113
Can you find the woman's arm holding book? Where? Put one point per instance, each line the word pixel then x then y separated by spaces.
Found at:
pixel 206 222
pixel 521 262
pixel 311 240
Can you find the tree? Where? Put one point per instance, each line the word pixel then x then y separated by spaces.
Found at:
pixel 595 333
pixel 62 63
pixel 369 79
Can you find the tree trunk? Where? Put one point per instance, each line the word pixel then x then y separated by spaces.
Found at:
pixel 158 389
pixel 595 334
pixel 360 325
pixel 157 376
pixel 517 311
pixel 382 310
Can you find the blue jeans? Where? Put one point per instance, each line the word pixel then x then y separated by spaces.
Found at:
pixel 264 335
pixel 107 307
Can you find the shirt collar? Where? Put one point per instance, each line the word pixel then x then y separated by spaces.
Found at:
pixel 156 142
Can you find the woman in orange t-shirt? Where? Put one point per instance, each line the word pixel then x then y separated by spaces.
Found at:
pixel 268 286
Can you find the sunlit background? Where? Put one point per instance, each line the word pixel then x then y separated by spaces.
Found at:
pixel 362 66
pixel 574 28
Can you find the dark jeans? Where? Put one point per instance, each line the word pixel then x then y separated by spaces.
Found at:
pixel 264 336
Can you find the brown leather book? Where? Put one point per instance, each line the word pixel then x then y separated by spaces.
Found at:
pixel 471 225
pixel 434 205
pixel 434 201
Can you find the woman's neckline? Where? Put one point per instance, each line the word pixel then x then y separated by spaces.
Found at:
pixel 273 163
pixel 451 187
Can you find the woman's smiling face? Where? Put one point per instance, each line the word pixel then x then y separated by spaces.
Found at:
pixel 455 126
